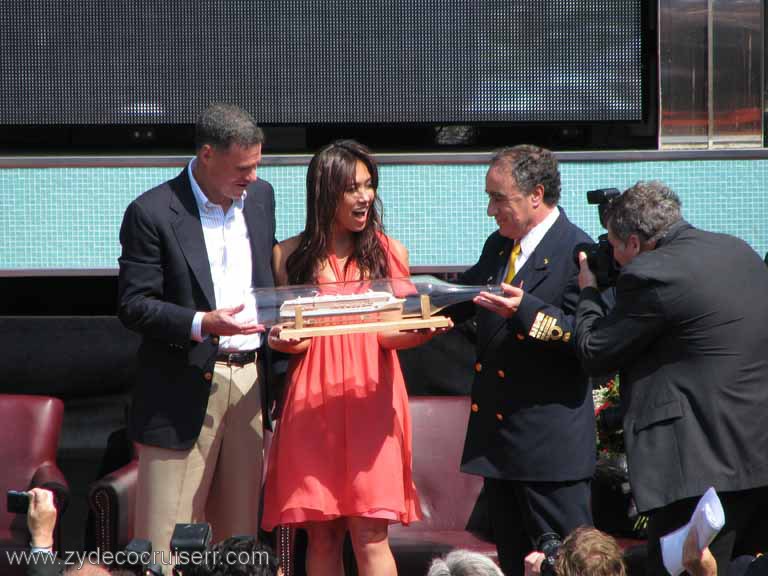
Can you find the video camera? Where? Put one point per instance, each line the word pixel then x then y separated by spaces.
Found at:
pixel 600 254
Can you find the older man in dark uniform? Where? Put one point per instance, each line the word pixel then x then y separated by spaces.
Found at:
pixel 689 334
pixel 531 430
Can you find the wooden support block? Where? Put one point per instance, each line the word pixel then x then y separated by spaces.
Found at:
pixel 291 331
pixel 426 309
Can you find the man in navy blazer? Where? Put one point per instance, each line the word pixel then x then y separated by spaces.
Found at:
pixel 531 427
pixel 689 335
pixel 192 250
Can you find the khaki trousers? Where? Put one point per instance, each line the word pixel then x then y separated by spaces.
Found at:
pixel 219 479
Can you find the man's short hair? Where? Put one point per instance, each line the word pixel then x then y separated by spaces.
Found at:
pixel 647 209
pixel 464 563
pixel 240 556
pixel 221 125
pixel 530 165
pixel 588 552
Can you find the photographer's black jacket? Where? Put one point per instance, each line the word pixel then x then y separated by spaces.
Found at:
pixel 689 334
pixel 532 414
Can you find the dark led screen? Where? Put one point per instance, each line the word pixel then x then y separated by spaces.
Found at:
pixel 317 62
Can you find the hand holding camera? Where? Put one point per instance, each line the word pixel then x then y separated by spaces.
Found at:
pixel 41 517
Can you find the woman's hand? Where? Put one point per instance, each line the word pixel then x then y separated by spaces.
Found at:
pixel 410 338
pixel 286 345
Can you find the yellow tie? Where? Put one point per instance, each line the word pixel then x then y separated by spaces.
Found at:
pixel 512 259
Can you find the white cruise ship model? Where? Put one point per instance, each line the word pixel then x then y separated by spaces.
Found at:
pixel 341 305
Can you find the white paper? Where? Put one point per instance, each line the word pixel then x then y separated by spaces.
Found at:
pixel 707 519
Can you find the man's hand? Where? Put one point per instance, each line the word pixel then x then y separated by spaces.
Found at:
pixel 222 322
pixel 586 277
pixel 698 562
pixel 41 517
pixel 532 563
pixel 506 305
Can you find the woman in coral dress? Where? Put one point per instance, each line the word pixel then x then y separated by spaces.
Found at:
pixel 341 455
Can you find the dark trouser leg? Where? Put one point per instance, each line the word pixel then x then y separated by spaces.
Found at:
pixel 558 507
pixel 507 525
pixel 521 512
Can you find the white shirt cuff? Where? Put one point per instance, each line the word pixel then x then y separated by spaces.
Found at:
pixel 197 327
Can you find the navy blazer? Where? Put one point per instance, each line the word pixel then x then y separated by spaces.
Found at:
pixel 689 335
pixel 165 277
pixel 532 415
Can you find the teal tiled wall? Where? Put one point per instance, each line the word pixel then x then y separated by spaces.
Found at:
pixel 57 218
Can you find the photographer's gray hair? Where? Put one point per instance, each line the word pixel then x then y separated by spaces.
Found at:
pixel 647 209
pixel 464 563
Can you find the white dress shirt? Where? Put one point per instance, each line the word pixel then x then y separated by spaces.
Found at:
pixel 229 256
pixel 529 242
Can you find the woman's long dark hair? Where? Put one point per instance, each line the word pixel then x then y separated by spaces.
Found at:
pixel 330 173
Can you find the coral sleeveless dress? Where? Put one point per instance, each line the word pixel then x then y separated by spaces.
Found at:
pixel 342 446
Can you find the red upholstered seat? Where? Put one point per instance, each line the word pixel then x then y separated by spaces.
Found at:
pixel 112 501
pixel 29 436
pixel 447 495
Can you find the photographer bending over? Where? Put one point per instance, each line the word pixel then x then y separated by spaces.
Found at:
pixel 689 335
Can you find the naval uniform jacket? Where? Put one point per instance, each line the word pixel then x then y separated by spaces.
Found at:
pixel 165 277
pixel 532 416
pixel 689 336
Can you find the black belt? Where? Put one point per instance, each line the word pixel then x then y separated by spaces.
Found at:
pixel 237 358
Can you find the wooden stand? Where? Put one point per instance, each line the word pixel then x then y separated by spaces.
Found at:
pixel 298 329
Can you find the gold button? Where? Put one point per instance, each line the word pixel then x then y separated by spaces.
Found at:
pixel 208 376
pixel 499 416
pixel 215 340
pixel 475 407
pixel 501 373
pixel 478 367
pixel 520 336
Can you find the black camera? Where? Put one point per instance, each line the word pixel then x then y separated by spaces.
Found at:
pixel 549 545
pixel 17 502
pixel 600 254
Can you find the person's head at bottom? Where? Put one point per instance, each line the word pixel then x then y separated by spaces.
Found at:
pixel 464 563
pixel 239 556
pixel 589 552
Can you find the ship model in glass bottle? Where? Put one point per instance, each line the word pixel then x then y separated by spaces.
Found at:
pixel 366 306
